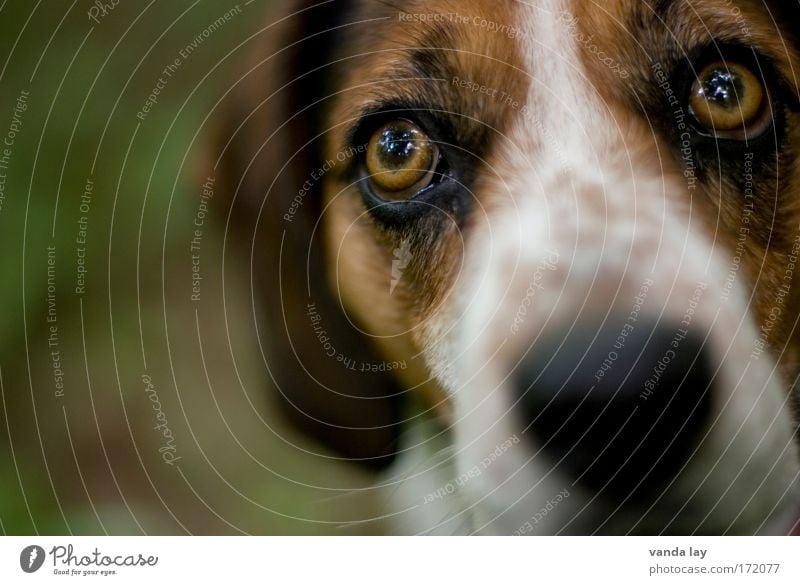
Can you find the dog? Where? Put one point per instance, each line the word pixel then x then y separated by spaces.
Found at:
pixel 535 264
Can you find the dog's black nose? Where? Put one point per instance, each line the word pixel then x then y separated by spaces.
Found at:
pixel 619 406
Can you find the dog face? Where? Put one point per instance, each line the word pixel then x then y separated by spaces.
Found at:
pixel 566 232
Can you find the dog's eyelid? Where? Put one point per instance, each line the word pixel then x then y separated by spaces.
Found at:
pixel 732 56
pixel 764 65
pixel 432 119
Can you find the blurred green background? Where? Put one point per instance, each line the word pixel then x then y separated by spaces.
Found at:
pixel 136 355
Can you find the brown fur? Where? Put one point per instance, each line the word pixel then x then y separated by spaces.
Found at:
pixel 335 255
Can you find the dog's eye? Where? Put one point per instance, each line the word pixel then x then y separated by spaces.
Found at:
pixel 400 160
pixel 729 101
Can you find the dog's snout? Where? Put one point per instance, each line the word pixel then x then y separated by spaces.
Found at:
pixel 619 406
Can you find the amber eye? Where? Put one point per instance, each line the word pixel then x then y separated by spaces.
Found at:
pixel 400 160
pixel 730 102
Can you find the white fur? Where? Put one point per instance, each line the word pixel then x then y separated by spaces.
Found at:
pixel 614 224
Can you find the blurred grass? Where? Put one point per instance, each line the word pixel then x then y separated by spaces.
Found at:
pixel 88 462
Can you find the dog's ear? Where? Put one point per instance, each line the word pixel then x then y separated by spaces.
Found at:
pixel 268 145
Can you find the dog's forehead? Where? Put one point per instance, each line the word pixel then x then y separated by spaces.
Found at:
pixel 492 38
pixel 478 57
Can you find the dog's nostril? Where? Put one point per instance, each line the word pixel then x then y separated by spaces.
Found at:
pixel 618 406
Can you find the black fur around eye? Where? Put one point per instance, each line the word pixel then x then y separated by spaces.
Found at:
pixel 733 95
pixel 410 166
pixel 729 101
